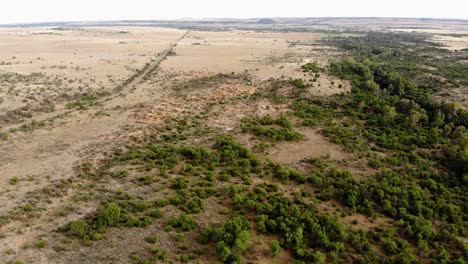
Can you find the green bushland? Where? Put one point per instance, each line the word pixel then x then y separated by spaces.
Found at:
pixel 415 145
pixel 279 129
pixel 84 102
pixel 313 67
pixel 422 177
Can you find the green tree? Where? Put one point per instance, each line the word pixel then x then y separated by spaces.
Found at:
pixel 110 216
pixel 275 248
pixel 439 119
pixel 319 257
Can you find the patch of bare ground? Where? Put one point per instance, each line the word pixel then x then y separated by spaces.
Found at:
pixel 453 43
pixel 119 243
pixel 260 252
pixel 49 154
pixel 20 235
pixel 458 95
pixel 236 51
pixel 222 92
pixel 361 221
pixel 228 117
pixel 66 65
pixel 263 55
pixel 313 146
pixel 355 220
pixel 191 101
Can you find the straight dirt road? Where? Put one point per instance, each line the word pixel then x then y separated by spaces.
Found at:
pixel 50 153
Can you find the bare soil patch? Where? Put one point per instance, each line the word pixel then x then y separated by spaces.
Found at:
pixel 313 146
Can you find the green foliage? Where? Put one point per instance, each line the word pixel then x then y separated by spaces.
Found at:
pixel 179 183
pixel 391 110
pixel 312 67
pixel 233 238
pixel 184 222
pixel 40 243
pixel 158 254
pixel 93 227
pixel 279 129
pixel 275 248
pixel 156 213
pixel 152 239
pixel 120 174
pixel 83 103
pixel 78 228
pixel 286 174
pixel 4 136
pixel 110 216
pixel 206 235
pixel 398 114
pixel 144 180
pixel 292 219
pixel 31 126
pixel 312 113
pixel 198 155
pixel 238 160
pixel 14 180
pixel 299 84
pixel 319 257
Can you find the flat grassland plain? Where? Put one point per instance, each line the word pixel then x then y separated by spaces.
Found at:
pixel 111 145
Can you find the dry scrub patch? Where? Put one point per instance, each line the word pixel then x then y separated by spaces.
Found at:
pixel 191 101
pixel 452 42
pixel 264 55
pixel 459 95
pixel 69 63
pixel 261 251
pixel 228 117
pixel 313 146
pixel 356 220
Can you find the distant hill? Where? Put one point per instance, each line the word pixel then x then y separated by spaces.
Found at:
pixel 266 21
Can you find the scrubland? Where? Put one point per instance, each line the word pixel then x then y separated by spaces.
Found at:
pixel 156 145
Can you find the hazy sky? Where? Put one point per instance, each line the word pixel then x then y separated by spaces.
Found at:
pixel 14 11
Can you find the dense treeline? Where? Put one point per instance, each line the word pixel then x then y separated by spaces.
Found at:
pixel 409 54
pixel 403 115
pixel 391 110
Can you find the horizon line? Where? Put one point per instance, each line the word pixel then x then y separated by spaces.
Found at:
pixel 194 19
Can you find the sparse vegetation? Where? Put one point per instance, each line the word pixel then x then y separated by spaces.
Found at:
pixel 275 248
pixel 196 175
pixel 279 129
pixel 14 180
pixel 313 67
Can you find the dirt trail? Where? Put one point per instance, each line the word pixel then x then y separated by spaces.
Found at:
pixel 43 155
pixel 49 153
pixel 138 77
pixel 154 63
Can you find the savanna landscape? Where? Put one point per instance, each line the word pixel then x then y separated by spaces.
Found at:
pixel 312 140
